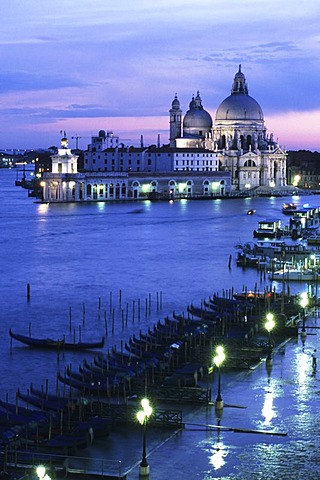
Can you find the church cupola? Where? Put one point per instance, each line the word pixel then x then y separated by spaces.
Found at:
pixel 64 161
pixel 64 141
pixel 239 84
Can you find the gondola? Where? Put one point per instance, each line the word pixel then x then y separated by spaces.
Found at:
pixel 45 343
pixel 43 403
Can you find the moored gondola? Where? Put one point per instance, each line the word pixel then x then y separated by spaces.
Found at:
pixel 48 343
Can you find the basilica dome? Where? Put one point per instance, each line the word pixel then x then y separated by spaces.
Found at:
pixel 196 121
pixel 197 118
pixel 239 105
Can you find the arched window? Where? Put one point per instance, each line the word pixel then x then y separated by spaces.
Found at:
pixel 249 163
pixel 189 187
pixel 135 189
pixel 206 187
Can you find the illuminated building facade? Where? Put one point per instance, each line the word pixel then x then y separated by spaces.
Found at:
pixel 204 158
pixel 66 184
pixel 238 136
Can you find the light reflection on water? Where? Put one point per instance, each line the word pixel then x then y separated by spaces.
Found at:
pixel 268 410
pixel 218 457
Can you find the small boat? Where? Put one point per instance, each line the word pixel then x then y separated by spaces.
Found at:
pixel 268 229
pixel 289 208
pixel 46 343
pixel 295 275
pixel 251 211
pixel 313 240
pixel 252 296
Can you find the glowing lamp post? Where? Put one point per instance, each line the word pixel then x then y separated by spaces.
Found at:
pixel 304 302
pixel 41 473
pixel 270 324
pixel 218 360
pixel 143 416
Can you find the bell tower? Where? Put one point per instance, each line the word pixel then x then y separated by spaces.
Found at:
pixel 175 121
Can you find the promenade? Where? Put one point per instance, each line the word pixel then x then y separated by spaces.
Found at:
pixel 283 399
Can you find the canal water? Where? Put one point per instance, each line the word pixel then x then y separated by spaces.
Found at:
pixel 111 270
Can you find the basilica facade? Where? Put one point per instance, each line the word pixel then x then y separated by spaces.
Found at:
pixel 238 136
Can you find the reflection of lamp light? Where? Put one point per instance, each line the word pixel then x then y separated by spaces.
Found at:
pixel 268 409
pixel 304 302
pixel 270 324
pixel 218 360
pixel 143 416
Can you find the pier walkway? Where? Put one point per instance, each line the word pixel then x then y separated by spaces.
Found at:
pixel 283 399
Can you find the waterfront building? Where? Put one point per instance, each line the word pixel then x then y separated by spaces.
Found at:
pixel 66 184
pixel 203 158
pixel 103 157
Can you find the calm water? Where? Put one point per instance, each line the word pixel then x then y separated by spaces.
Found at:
pixel 78 258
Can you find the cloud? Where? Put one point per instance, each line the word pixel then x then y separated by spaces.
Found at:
pixel 77 60
pixel 28 81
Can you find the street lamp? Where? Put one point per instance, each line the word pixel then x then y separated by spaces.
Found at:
pixel 270 324
pixel 218 360
pixel 143 416
pixel 304 302
pixel 41 473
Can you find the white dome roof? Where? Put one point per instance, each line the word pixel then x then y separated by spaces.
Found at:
pixel 196 116
pixel 239 105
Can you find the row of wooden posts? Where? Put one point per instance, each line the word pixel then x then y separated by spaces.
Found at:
pixel 116 307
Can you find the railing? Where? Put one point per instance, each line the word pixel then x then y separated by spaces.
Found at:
pixel 60 465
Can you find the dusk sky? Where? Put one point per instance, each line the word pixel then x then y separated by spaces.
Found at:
pixel 86 65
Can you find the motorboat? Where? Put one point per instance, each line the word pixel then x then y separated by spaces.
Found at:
pixel 289 208
pixel 268 229
pixel 295 275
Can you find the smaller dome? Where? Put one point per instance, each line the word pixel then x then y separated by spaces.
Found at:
pixel 64 142
pixel 196 116
pixel 102 133
pixel 197 119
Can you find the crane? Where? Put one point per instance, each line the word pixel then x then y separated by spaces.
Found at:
pixel 76 137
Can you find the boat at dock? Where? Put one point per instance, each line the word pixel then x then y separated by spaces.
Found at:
pixel 49 343
pixel 295 275
pixel 313 241
pixel 268 229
